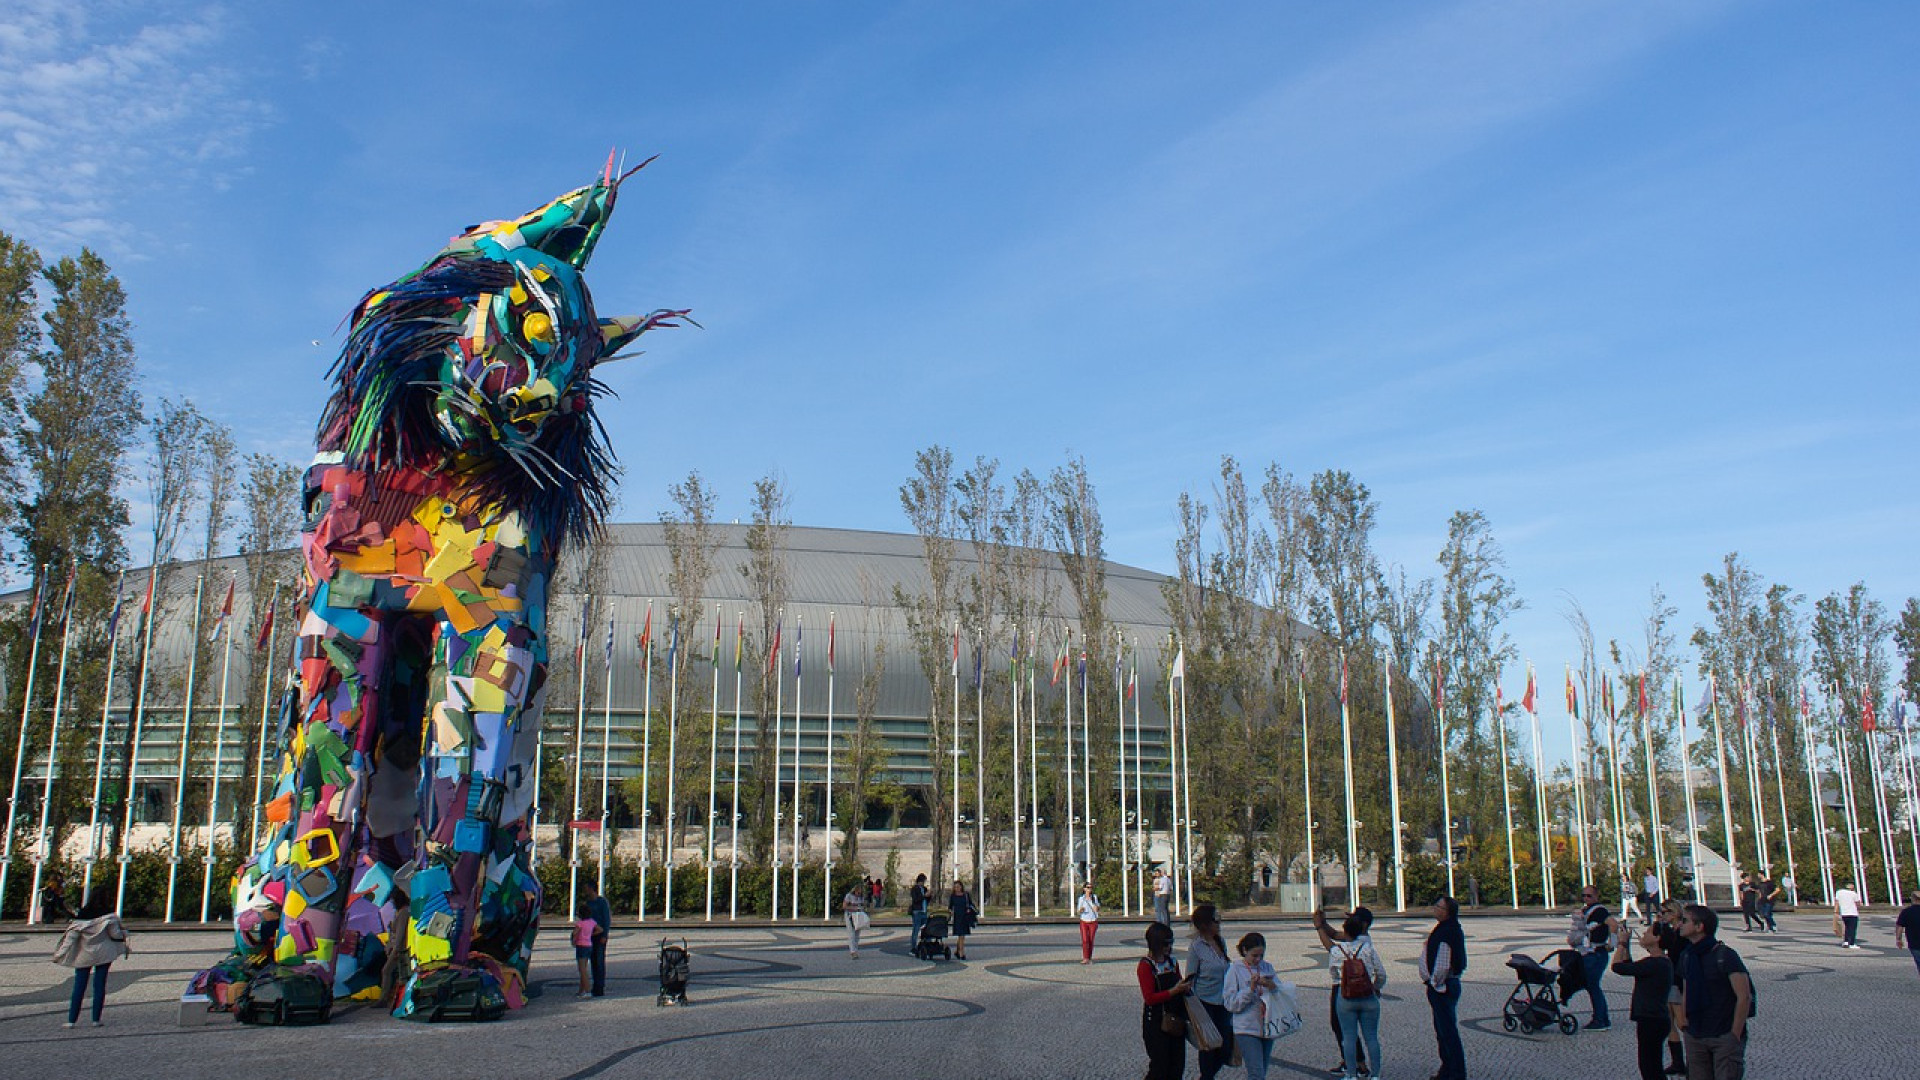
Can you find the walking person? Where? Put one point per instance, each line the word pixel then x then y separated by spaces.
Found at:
pixel 1163 1018
pixel 1089 909
pixel 1163 896
pixel 90 945
pixel 1846 908
pixel 1629 899
pixel 963 915
pixel 1652 978
pixel 1650 894
pixel 917 900
pixel 1207 964
pixel 853 910
pixel 1262 1011
pixel 1716 997
pixel 1906 928
pixel 1768 893
pixel 601 913
pixel 1749 904
pixel 1441 964
pixel 1592 937
pixel 1359 976
pixel 1330 934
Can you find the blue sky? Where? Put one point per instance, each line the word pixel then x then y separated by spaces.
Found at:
pixel 1637 280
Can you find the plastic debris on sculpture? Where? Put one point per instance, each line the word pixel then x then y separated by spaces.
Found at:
pixel 457 454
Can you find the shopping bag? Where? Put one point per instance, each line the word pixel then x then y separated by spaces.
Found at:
pixel 1200 1030
pixel 1282 1012
pixel 861 920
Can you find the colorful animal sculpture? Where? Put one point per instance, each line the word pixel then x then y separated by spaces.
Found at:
pixel 458 454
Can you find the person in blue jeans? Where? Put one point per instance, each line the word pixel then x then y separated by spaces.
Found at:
pixel 1441 963
pixel 1359 1004
pixel 90 945
pixel 917 907
pixel 1592 936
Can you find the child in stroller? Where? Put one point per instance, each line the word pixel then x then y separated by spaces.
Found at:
pixel 932 942
pixel 1539 999
pixel 675 968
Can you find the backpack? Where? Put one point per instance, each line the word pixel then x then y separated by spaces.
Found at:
pixel 1355 980
pixel 1723 959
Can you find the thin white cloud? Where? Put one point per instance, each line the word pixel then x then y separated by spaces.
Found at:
pixel 93 106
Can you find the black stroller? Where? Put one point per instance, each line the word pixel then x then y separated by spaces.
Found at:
pixel 675 968
pixel 932 942
pixel 1539 1000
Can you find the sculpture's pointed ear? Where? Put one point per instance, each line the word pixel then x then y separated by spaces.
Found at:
pixel 618 332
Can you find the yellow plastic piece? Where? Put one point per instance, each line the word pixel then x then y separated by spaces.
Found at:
pixel 294 906
pixel 304 853
pixel 430 950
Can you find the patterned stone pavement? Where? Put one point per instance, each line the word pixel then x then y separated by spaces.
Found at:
pixel 790 1003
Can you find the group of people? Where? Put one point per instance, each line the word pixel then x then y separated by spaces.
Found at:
pixel 962 912
pixel 1758 895
pixel 1234 1008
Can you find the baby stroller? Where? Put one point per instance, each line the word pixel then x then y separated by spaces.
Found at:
pixel 932 942
pixel 1539 1000
pixel 675 968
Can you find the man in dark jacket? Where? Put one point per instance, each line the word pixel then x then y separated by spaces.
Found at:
pixel 1441 963
pixel 601 913
pixel 1716 999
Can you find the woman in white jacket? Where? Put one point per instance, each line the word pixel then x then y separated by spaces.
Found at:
pixel 1248 996
pixel 92 942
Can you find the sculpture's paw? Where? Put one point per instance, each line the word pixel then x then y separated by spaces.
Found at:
pixel 224 980
pixel 454 992
pixel 278 994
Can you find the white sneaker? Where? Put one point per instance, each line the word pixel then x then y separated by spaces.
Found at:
pixel 69 1023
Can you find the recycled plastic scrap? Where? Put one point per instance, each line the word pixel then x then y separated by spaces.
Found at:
pixel 457 455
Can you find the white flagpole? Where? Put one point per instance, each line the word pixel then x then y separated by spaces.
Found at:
pixel 799 662
pixel 20 751
pixel 1126 823
pixel 571 833
pixel 100 762
pixel 713 760
pixel 1142 835
pixel 1446 786
pixel 646 761
pixel 1176 674
pixel 186 741
pixel 1726 799
pixel 1506 796
pixel 139 722
pixel 1655 828
pixel 953 751
pixel 1855 855
pixel 1346 768
pixel 779 662
pixel 1393 786
pixel 1885 820
pixel 266 711
pixel 1019 812
pixel 43 844
pixel 1913 790
pixel 1579 764
pixel 826 877
pixel 1033 764
pixel 1816 800
pixel 606 757
pixel 674 660
pixel 1545 835
pixel 1186 785
pixel 1086 765
pixel 1780 788
pixel 1686 783
pixel 219 748
pixel 733 814
pixel 980 765
pixel 1073 816
pixel 1306 802
pixel 1756 787
pixel 1621 849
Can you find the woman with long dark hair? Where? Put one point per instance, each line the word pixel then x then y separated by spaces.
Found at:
pixel 1163 1027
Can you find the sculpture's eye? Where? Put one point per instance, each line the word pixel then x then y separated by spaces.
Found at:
pixel 537 327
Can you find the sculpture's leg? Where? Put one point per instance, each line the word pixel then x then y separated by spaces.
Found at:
pixel 476 902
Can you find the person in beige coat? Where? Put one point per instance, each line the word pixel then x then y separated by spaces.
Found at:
pixel 90 945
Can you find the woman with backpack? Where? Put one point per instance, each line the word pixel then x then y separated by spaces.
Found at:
pixel 1360 976
pixel 90 945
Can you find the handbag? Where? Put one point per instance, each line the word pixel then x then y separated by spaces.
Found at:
pixel 1282 1012
pixel 1200 1030
pixel 1838 930
pixel 861 920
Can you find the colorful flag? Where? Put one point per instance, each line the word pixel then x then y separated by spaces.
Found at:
pixel 1866 711
pixel 829 643
pixel 716 639
pixel 39 598
pixel 586 628
pixel 1133 678
pixel 1180 665
pixel 1806 707
pixel 956 652
pixel 146 605
pixel 1439 687
pixel 1900 714
pixel 226 612
pixel 799 633
pixel 1526 701
pixel 266 624
pixel 739 642
pixel 773 648
pixel 646 630
pixel 113 619
pixel 1645 706
pixel 609 642
pixel 1573 697
pixel 673 639
pixel 978 647
pixel 1499 702
pixel 1343 678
